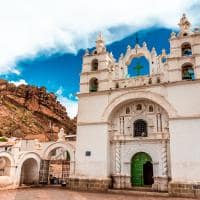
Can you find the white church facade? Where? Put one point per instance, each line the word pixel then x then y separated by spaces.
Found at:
pixel 131 132
pixel 143 130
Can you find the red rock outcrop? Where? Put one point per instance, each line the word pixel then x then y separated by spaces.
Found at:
pixel 31 112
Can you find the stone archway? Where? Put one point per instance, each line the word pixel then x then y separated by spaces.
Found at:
pixel 29 172
pixel 5 166
pixel 57 163
pixel 27 168
pixel 131 96
pixel 141 170
pixel 138 52
pixel 59 166
pixel 7 170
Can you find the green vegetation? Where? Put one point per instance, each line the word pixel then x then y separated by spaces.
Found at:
pixel 2 139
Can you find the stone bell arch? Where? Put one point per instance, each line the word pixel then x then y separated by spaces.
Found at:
pixel 137 51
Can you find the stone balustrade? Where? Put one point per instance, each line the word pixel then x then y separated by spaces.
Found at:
pixel 138 81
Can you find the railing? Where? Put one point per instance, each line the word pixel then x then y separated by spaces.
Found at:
pixel 138 81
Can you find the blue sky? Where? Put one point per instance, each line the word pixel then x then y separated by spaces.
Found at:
pixel 43 45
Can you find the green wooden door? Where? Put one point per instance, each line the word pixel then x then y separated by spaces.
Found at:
pixel 137 163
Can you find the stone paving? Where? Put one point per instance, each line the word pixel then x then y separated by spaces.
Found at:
pixel 63 194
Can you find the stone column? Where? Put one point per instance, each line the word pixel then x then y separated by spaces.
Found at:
pixel 161 182
pixel 117 175
pixel 164 159
pixel 117 158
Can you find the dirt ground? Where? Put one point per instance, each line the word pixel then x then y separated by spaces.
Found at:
pixel 63 194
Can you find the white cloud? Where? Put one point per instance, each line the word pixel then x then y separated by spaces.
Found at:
pixel 20 82
pixel 71 106
pixel 30 26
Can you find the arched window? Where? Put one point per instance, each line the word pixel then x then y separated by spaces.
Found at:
pixel 187 72
pixel 93 85
pixel 150 108
pixel 117 85
pixel 140 128
pixel 128 110
pixel 94 65
pixel 186 49
pixel 138 107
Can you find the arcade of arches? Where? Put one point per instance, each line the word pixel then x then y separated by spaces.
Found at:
pixel 36 163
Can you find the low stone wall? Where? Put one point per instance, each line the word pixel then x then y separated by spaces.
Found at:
pixel 184 190
pixel 84 184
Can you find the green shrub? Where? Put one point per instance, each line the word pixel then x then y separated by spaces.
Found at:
pixel 2 139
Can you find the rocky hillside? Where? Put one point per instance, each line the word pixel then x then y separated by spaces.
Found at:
pixel 30 112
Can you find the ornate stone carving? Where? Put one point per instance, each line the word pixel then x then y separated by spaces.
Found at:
pixel 123 121
pixel 117 158
pixel 184 24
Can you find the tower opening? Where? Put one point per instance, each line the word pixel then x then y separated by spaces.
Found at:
pixel 186 49
pixel 93 85
pixel 187 72
pixel 94 65
pixel 138 67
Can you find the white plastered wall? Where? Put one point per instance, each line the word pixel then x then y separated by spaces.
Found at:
pixel 92 138
pixel 185 151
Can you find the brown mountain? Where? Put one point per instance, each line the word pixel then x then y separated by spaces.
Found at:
pixel 30 112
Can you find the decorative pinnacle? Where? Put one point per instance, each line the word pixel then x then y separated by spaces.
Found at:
pixel 144 44
pixel 100 37
pixel 173 35
pixel 163 52
pixel 87 52
pixel 153 51
pixel 184 23
pixel 100 46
